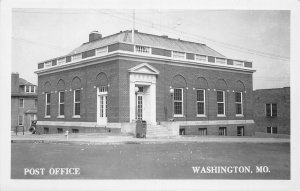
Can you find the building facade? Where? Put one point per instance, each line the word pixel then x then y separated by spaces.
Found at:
pixel 176 86
pixel 23 103
pixel 272 110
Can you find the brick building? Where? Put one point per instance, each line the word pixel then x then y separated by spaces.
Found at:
pixel 272 110
pixel 174 85
pixel 23 103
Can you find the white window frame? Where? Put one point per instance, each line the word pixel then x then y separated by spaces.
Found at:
pixel 138 49
pixel 32 86
pixel 198 58
pixel 61 61
pixel 220 61
pixel 242 108
pixel 178 52
pixel 224 106
pixel 59 103
pixel 27 87
pixel 46 104
pixel 182 111
pixel 76 116
pixel 22 102
pixel 224 131
pixel 271 108
pixel 22 120
pixel 200 115
pixel 48 64
pixel 76 57
pixel 101 51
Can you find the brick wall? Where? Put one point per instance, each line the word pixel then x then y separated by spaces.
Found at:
pixel 280 96
pixel 88 101
pixel 190 75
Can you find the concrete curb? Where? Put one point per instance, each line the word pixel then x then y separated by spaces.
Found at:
pixel 144 141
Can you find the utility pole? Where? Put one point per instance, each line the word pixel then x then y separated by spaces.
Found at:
pixel 133 26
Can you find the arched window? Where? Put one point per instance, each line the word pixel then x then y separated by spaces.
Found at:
pixel 179 84
pixel 61 98
pixel 239 90
pixel 76 86
pixel 221 88
pixel 201 87
pixel 47 89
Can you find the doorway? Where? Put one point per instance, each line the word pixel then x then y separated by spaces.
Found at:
pixel 102 106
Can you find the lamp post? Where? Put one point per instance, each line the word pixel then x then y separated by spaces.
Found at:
pixel 136 89
pixel 172 93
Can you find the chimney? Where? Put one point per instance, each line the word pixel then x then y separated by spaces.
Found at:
pixel 94 35
pixel 14 82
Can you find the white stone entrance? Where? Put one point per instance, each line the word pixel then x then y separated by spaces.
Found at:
pixel 143 102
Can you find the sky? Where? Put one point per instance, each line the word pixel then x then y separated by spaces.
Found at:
pixel 262 37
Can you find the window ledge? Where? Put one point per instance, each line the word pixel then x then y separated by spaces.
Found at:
pixel 47 116
pixel 221 115
pixel 61 116
pixel 201 116
pixel 179 116
pixel 76 116
pixel 239 115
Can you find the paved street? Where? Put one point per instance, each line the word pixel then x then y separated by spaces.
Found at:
pixel 132 160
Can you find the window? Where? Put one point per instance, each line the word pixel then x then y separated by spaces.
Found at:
pixel 77 103
pixel 46 130
pixel 211 59
pixel 75 131
pixel 222 131
pixel 35 103
pixel 238 63
pixel 220 60
pixel 221 103
pixel 271 110
pixel 201 58
pixel 182 131
pixel 101 51
pixel 272 130
pixel 61 61
pixel 20 120
pixel 202 131
pixel 240 131
pixel 21 102
pixel 238 103
pixel 103 89
pixel 27 89
pixel 178 102
pixel 48 64
pixel 178 55
pixel 60 130
pixel 76 57
pixel 32 89
pixel 48 102
pixel 61 103
pixel 200 102
pixel 143 49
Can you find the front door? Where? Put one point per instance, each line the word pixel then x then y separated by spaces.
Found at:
pixel 102 110
pixel 139 105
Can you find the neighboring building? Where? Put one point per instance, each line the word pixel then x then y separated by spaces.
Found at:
pixel 23 103
pixel 272 110
pixel 174 85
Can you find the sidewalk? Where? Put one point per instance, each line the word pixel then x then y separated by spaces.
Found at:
pixel 106 139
